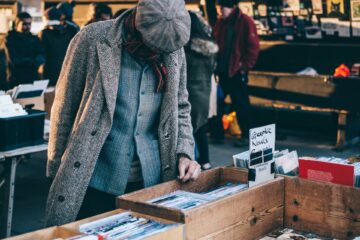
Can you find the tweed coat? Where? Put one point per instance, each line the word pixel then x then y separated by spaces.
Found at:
pixel 83 110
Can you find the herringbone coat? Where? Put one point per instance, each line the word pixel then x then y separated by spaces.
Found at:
pixel 82 116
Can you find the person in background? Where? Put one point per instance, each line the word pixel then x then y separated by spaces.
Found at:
pixel 238 41
pixel 67 11
pixel 201 57
pixel 55 39
pixel 119 12
pixel 24 53
pixel 121 116
pixel 99 12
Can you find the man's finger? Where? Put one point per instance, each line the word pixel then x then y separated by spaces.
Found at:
pixel 182 168
pixel 196 173
pixel 190 172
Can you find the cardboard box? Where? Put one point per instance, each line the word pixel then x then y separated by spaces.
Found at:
pixel 250 213
pixel 174 233
pixel 47 234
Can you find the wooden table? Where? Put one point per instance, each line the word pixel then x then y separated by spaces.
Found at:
pixel 10 159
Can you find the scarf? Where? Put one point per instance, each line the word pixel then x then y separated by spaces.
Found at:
pixel 136 48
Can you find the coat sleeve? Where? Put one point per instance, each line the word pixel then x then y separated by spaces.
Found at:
pixel 68 96
pixel 185 144
pixel 253 46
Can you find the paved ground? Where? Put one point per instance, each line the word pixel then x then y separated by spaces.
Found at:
pixel 32 186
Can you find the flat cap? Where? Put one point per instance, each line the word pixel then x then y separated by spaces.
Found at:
pixel 164 25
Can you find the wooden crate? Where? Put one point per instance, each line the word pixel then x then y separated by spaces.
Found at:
pixel 323 208
pixel 47 234
pixel 249 214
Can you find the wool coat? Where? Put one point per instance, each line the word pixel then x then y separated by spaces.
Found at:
pixel 83 110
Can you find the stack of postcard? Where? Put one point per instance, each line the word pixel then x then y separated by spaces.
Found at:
pixel 187 200
pixel 121 226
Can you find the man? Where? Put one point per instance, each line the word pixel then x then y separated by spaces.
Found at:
pixel 99 12
pixel 24 53
pixel 67 11
pixel 236 36
pixel 121 118
pixel 55 39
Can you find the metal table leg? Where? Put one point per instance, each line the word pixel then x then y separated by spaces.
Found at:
pixel 7 196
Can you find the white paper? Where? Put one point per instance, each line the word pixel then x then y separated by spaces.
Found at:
pixel 329 25
pixel 344 29
pixel 5 100
pixel 317 6
pixel 262 138
pixel 288 162
pixel 356 29
pixel 40 85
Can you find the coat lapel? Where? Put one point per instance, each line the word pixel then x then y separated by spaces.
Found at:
pixel 109 52
pixel 109 60
pixel 170 95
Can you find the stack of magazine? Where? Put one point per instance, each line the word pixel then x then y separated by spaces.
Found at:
pixel 187 200
pixel 121 226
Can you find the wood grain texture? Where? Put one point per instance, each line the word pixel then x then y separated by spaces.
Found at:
pixel 322 208
pixel 46 234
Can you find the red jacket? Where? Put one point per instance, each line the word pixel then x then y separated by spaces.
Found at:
pixel 246 44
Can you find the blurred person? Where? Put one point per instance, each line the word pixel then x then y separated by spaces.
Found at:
pixel 67 11
pixel 55 39
pixel 99 12
pixel 201 57
pixel 238 41
pixel 24 53
pixel 121 116
pixel 119 12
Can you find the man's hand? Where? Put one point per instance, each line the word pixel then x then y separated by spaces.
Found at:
pixel 188 169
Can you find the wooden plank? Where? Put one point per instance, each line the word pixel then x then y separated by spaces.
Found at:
pixel 46 234
pixel 256 205
pixel 325 209
pixel 231 174
pixel 251 228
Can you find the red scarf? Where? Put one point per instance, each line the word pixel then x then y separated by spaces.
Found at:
pixel 135 46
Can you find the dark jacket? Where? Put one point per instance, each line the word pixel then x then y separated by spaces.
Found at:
pixel 245 45
pixel 55 40
pixel 24 55
pixel 200 57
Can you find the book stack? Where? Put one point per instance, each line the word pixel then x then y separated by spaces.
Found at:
pixel 187 200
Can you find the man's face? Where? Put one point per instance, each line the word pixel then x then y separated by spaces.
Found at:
pixel 104 17
pixel 225 11
pixel 24 25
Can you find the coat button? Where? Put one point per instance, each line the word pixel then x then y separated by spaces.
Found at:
pixel 167 168
pixel 77 164
pixel 93 133
pixel 61 198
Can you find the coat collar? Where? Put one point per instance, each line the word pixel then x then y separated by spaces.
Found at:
pixel 109 53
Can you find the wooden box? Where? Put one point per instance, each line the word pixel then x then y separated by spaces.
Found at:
pixel 47 234
pixel 322 208
pixel 174 233
pixel 249 214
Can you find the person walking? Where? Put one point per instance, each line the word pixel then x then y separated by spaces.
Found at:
pixel 121 116
pixel 55 39
pixel 24 53
pixel 238 41
pixel 201 58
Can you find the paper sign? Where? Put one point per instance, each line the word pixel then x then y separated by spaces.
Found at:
pixel 261 161
pixel 317 6
pixel 262 138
